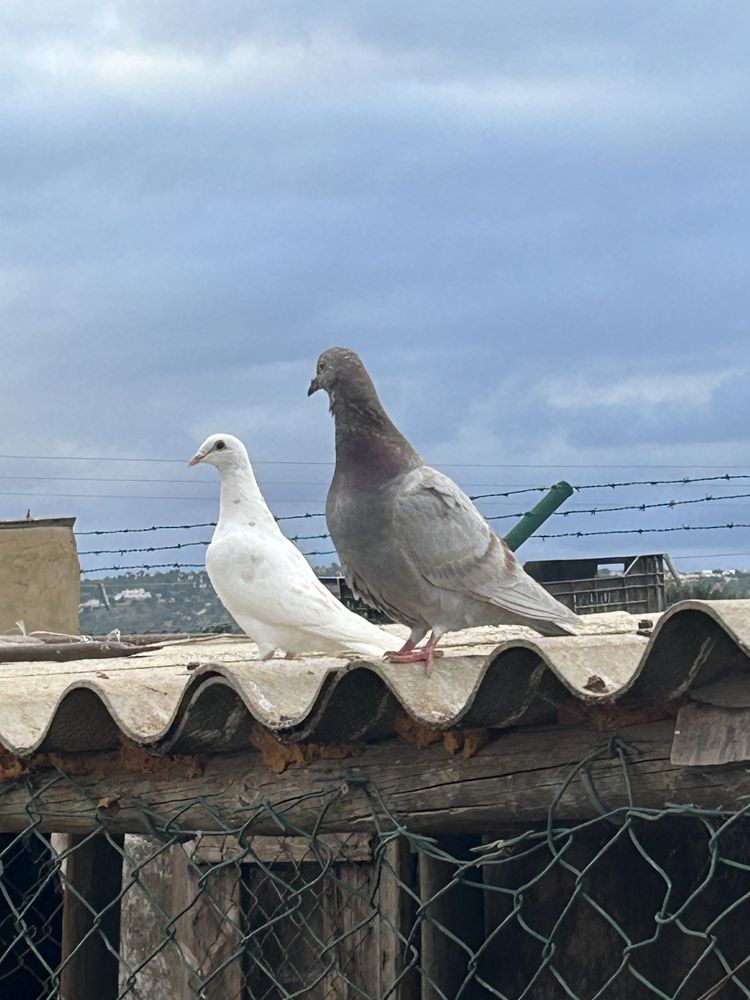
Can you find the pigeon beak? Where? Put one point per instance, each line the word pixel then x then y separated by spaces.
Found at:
pixel 197 457
pixel 314 386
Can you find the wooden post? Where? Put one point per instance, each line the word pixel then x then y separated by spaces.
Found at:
pixel 349 929
pixel 93 880
pixel 397 907
pixel 207 920
pixel 208 932
pixel 458 911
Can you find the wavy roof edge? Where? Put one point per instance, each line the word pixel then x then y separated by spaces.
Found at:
pixel 167 702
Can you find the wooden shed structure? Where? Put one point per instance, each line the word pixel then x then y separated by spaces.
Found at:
pixel 543 818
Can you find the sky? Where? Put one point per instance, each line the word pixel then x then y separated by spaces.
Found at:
pixel 530 218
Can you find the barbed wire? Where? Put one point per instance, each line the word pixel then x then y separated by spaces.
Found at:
pixel 483 496
pixel 153 527
pixel 684 481
pixel 182 527
pixel 179 545
pixel 636 506
pixel 679 558
pixel 496 517
pixel 589 511
pixel 150 548
pixel 730 525
pixel 645 531
pixel 144 566
pixel 297 517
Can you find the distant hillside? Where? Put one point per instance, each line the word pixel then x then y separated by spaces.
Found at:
pixel 159 602
pixel 140 603
pixel 712 585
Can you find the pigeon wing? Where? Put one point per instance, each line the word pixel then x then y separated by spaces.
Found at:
pixel 269 579
pixel 452 546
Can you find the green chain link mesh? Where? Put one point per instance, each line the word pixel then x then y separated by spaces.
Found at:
pixel 631 903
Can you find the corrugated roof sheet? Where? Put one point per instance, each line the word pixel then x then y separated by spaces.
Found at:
pixel 206 695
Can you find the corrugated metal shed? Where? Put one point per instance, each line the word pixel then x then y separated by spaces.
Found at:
pixel 203 696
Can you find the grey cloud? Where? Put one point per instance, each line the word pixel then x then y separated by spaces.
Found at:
pixel 478 199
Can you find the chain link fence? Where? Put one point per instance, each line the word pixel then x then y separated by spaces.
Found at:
pixel 626 904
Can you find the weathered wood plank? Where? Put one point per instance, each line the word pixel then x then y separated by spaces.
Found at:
pixel 452 913
pixel 93 879
pixel 512 780
pixel 397 906
pixel 147 961
pixel 709 734
pixel 350 933
pixel 208 934
pixel 162 885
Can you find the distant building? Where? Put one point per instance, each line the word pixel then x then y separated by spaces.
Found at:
pixel 133 594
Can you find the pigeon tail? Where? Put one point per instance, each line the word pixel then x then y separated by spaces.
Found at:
pixel 551 628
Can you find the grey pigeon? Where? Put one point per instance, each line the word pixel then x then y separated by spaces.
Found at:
pixel 411 543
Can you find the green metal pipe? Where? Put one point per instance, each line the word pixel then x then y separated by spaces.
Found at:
pixel 535 517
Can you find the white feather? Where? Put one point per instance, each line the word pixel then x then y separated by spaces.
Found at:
pixel 262 578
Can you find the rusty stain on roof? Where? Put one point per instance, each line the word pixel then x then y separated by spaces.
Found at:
pixel 492 677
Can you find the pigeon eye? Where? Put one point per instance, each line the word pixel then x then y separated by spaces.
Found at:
pixel 321 366
pixel 219 446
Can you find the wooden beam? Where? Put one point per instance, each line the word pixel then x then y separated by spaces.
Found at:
pixel 512 780
pixel 93 881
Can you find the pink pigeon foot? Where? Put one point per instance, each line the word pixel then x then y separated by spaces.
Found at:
pixel 407 647
pixel 412 655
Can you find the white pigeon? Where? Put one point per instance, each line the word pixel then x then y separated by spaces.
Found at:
pixel 264 581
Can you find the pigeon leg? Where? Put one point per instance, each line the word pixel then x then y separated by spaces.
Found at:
pixel 424 655
pixel 407 647
pixel 416 635
pixel 431 652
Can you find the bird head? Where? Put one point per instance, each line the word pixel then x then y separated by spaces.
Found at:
pixel 337 367
pixel 221 450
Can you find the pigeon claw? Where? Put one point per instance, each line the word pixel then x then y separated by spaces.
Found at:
pixel 425 655
pixel 409 654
